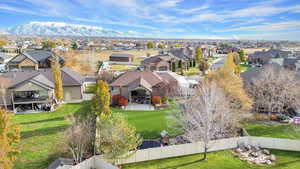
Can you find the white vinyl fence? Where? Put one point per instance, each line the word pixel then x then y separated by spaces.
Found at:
pixel 216 145
pixel 96 162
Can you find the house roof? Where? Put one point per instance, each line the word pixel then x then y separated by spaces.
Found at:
pixel 44 77
pixel 121 55
pixel 183 53
pixel 152 78
pixel 34 55
pixel 4 56
pixel 158 58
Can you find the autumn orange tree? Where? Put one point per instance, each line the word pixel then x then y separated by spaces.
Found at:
pixel 9 140
pixel 228 78
pixel 57 79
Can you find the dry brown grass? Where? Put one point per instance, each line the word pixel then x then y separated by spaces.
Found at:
pixel 252 50
pixel 86 62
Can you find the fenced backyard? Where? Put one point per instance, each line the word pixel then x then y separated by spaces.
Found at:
pixel 196 148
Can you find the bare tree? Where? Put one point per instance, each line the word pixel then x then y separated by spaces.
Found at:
pixel 4 84
pixel 274 89
pixel 106 76
pixel 205 116
pixel 78 138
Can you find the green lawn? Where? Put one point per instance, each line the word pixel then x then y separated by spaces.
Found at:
pixel 244 67
pixel 41 135
pixel 148 123
pixel 219 160
pixel 192 71
pixel 276 131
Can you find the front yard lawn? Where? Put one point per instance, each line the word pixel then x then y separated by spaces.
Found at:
pixel 219 160
pixel 274 130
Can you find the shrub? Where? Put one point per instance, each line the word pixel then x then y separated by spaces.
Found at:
pixel 156 100
pixel 261 116
pixel 123 101
pixel 164 100
pixel 115 99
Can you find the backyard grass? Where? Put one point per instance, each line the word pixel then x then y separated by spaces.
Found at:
pixel 41 135
pixel 192 71
pixel 244 67
pixel 219 160
pixel 148 123
pixel 274 130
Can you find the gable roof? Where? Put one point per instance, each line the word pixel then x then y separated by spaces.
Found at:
pixel 127 78
pixel 158 58
pixel 34 55
pixel 44 77
pixel 120 55
pixel 4 56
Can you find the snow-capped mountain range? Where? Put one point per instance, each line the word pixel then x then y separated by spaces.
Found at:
pixel 64 29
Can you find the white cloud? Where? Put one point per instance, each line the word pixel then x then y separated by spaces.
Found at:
pixel 13 9
pixel 168 3
pixel 265 27
pixel 193 10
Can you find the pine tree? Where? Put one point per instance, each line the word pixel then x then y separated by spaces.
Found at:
pixel 59 94
pixel 9 140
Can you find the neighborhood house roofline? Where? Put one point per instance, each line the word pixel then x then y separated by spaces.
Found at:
pixel 121 55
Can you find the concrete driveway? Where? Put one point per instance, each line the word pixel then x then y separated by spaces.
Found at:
pixel 139 107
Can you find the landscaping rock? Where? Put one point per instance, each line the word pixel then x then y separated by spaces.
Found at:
pixel 265 151
pixel 272 157
pixel 254 155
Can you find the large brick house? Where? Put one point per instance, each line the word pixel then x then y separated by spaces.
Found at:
pixel 32 60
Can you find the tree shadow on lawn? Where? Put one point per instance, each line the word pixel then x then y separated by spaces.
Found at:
pixel 43 131
pixel 286 164
pixel 183 164
pixel 41 121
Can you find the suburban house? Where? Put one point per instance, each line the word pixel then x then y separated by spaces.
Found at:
pixel 32 60
pixel 139 86
pixel 162 62
pixel 264 57
pixel 121 57
pixel 4 58
pixel 34 89
pixel 186 53
pixel 3 61
pixel 288 63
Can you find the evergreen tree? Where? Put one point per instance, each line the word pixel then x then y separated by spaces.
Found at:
pixel 150 45
pixel 242 55
pixel 173 67
pixel 74 46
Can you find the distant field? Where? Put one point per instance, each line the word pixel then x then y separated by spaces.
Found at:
pixel 252 50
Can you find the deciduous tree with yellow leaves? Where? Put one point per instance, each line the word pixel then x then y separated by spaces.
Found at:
pixel 101 100
pixel 59 94
pixel 228 78
pixel 9 140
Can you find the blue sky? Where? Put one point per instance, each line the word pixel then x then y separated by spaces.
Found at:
pixel 195 19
